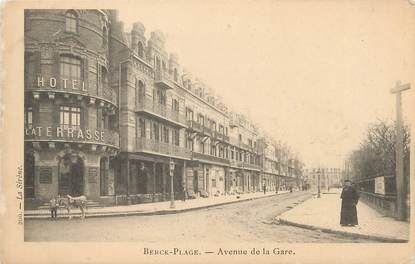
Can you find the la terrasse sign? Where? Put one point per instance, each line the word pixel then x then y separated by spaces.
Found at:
pixel 65 133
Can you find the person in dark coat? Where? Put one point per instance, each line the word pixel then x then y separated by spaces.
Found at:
pixel 350 197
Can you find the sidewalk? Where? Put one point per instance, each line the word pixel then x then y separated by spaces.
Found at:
pixel 324 214
pixel 153 208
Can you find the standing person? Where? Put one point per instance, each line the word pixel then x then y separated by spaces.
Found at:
pixel 54 204
pixel 184 192
pixel 264 188
pixel 350 197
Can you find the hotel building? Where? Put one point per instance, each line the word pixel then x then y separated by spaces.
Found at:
pixel 108 111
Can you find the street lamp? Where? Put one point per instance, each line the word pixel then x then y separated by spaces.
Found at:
pixel 172 165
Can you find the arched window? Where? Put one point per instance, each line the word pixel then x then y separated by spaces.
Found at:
pixel 140 49
pixel 104 36
pixel 71 21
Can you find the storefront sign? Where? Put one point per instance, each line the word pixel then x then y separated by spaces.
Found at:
pixel 380 185
pixel 60 132
pixel 61 83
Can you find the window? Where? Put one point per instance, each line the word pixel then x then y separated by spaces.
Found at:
pixel 166 134
pixel 104 36
pixel 175 105
pixel 176 137
pixel 69 117
pixel 140 49
pixel 142 124
pixel 214 183
pixel 28 117
pixel 71 21
pixel 175 74
pixel 70 67
pixel 156 132
pixel 29 68
pixel 189 114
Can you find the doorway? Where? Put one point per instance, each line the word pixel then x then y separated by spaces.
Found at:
pixel 71 175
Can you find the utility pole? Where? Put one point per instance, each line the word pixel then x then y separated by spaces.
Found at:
pixel 400 177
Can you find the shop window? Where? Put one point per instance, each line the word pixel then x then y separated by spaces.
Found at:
pixel 71 21
pixel 28 117
pixel 214 183
pixel 70 117
pixel 70 67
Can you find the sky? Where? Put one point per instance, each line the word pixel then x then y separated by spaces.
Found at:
pixel 312 74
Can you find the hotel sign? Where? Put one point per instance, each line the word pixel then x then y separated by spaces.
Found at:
pixel 63 83
pixel 65 133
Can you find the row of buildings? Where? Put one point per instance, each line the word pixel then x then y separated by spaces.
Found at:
pixel 107 111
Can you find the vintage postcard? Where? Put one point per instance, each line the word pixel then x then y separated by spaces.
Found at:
pixel 207 132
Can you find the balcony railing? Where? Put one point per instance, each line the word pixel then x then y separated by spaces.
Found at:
pixel 206 157
pixel 195 125
pixel 164 80
pixel 251 166
pixel 207 130
pixel 76 134
pixel 149 145
pixel 149 106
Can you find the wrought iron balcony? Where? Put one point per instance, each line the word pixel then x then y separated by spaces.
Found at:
pixel 164 80
pixel 161 111
pixel 195 126
pixel 206 157
pixel 152 146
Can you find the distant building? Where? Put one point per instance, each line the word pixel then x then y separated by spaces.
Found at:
pixel 329 177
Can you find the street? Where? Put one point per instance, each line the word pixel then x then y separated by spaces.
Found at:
pixel 249 221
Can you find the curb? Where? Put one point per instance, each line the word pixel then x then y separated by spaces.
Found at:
pixel 343 233
pixel 158 212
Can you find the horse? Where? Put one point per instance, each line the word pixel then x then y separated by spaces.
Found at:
pixel 80 202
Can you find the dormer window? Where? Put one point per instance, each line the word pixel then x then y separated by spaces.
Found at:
pixel 71 21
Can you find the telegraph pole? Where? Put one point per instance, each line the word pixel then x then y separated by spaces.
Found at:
pixel 400 177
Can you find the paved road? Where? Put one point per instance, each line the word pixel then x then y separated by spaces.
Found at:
pixel 249 221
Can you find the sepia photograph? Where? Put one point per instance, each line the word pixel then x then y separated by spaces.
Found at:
pixel 255 126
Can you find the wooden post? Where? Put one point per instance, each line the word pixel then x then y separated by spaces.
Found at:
pixel 400 177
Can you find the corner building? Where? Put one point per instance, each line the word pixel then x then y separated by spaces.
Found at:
pixel 71 107
pixel 107 111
